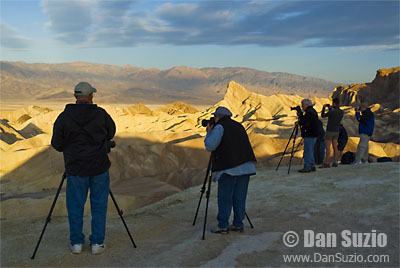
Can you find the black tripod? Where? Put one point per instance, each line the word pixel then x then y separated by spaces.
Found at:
pixel 203 188
pixel 48 219
pixel 293 135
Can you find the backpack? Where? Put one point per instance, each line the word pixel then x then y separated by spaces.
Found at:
pixel 348 158
pixel 384 159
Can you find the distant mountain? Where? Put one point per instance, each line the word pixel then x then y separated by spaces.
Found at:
pixel 20 80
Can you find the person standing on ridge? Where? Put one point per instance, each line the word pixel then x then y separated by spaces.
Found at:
pixel 366 125
pixel 233 161
pixel 309 127
pixel 335 115
pixel 83 132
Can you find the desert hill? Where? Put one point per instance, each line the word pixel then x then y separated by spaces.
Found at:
pixel 177 108
pixel 157 153
pixel 138 108
pixel 124 84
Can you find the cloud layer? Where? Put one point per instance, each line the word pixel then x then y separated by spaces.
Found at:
pixel 264 23
pixel 10 38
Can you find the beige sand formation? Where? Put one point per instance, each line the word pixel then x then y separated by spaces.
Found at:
pixel 158 152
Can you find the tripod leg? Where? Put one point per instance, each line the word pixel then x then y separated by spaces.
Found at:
pixel 208 199
pixel 203 188
pixel 248 219
pixel 48 219
pixel 120 212
pixel 297 149
pixel 294 142
pixel 284 152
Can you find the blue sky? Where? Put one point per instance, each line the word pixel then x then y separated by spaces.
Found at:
pixel 341 41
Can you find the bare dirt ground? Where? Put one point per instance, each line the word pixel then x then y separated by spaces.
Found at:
pixel 356 198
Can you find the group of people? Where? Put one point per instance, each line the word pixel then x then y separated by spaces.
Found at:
pixel 83 132
pixel 318 142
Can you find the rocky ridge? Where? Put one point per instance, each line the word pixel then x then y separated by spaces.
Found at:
pixel 157 154
pixel 383 90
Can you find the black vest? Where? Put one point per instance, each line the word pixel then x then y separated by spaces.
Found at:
pixel 234 148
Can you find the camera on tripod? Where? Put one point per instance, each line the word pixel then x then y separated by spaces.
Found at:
pixel 205 122
pixel 296 108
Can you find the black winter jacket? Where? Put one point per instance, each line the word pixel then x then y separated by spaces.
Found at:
pixel 309 123
pixel 82 132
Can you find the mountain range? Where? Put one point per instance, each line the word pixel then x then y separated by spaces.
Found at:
pixel 124 84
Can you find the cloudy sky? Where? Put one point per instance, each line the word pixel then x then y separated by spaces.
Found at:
pixel 342 41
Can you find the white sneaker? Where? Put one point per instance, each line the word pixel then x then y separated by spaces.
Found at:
pixel 98 249
pixel 356 163
pixel 76 249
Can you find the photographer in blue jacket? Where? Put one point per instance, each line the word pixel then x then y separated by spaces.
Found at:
pixel 366 120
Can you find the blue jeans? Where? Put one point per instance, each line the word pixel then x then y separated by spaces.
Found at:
pixel 232 192
pixel 77 191
pixel 308 154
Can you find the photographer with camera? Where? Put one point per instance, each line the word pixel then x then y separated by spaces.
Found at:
pixel 83 132
pixel 309 131
pixel 233 161
pixel 366 120
pixel 335 115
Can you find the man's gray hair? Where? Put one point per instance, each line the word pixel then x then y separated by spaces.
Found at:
pixel 307 101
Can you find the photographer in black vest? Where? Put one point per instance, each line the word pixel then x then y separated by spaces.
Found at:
pixel 233 163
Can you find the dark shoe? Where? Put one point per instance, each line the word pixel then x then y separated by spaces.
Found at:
pixel 313 168
pixel 305 170
pixel 334 165
pixel 233 228
pixel 218 230
pixel 325 166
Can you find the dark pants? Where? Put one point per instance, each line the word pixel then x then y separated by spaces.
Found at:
pixel 232 192
pixel 319 152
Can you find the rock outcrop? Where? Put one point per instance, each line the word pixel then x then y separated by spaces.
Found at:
pixel 177 108
pixel 384 89
pixel 138 109
pixel 383 96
